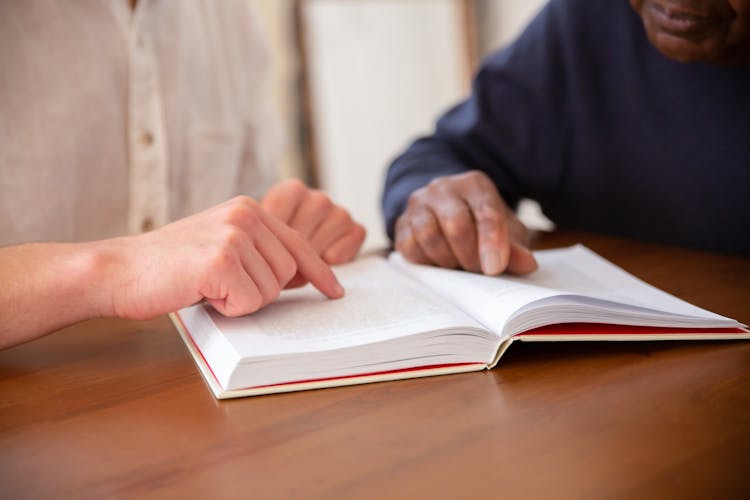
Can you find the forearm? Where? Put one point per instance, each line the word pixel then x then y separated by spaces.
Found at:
pixel 235 256
pixel 47 286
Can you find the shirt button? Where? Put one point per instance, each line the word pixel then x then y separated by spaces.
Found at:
pixel 146 138
pixel 147 224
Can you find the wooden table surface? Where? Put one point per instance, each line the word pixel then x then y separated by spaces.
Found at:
pixel 113 408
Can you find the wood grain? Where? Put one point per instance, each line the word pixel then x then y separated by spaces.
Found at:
pixel 113 408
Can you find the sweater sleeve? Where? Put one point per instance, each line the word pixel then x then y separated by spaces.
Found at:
pixel 510 127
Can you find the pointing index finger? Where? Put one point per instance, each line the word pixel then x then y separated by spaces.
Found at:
pixel 309 263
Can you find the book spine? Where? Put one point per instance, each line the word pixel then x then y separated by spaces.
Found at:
pixel 500 351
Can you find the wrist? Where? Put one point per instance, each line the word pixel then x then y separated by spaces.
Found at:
pixel 48 286
pixel 99 266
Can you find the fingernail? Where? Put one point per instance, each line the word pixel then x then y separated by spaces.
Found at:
pixel 491 262
pixel 338 290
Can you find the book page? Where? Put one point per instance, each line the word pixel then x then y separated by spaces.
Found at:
pixel 571 285
pixel 492 300
pixel 385 322
pixel 380 304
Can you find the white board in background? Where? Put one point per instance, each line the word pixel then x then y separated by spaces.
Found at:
pixel 379 73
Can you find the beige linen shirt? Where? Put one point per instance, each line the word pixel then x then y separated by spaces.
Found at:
pixel 113 121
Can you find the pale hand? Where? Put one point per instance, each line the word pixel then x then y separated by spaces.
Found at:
pixel 328 227
pixel 235 256
pixel 461 221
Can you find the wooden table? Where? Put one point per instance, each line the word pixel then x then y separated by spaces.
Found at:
pixel 117 409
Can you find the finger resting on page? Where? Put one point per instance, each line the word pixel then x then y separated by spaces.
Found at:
pixel 492 237
pixel 430 238
pixel 406 243
pixel 459 229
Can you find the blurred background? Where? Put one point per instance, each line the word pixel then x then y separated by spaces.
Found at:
pixel 355 81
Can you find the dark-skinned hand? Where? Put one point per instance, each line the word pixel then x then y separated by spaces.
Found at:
pixel 461 221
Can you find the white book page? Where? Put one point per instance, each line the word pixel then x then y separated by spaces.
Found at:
pixel 380 304
pixel 578 270
pixel 575 275
pixel 492 300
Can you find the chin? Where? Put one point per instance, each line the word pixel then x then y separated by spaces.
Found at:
pixel 690 31
pixel 680 50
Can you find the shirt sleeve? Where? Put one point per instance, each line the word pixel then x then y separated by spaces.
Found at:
pixel 511 126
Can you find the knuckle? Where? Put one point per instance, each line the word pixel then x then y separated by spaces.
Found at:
pixel 478 183
pixel 232 215
pixel 252 220
pixel 440 188
pixel 294 184
pixel 436 183
pixel 242 212
pixel 418 197
pixel 445 187
pixel 231 238
pixel 320 201
pixel 242 201
pixel 475 178
pixel 220 259
pixel 491 215
pixel 429 235
pixel 294 187
pixel 458 228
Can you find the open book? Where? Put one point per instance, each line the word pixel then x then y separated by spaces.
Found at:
pixel 400 320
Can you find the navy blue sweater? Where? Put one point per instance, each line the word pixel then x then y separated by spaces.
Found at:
pixel 585 116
